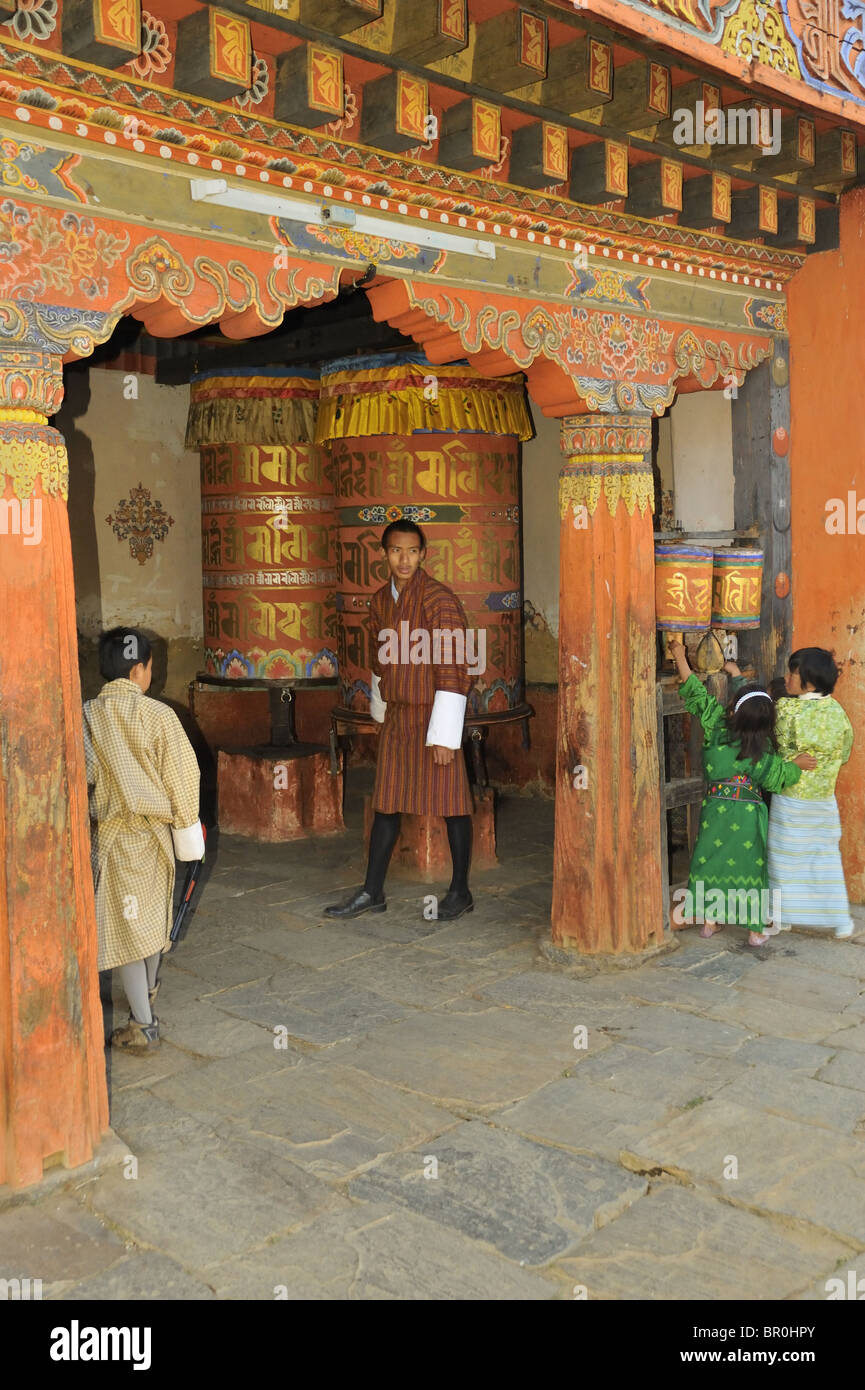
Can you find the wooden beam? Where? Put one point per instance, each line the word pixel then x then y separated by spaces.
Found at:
pixel 106 32
pixel 309 90
pixel 641 96
pixel 827 230
pixel 599 172
pixel 395 110
pixel 798 146
pixel 214 54
pixel 510 50
pixel 579 76
pixel 737 134
pixel 693 99
pixel 706 201
pixel 655 188
pixel 754 213
pixel 339 16
pixel 797 223
pixel 835 158
pixel 471 135
pixel 426 30
pixel 539 155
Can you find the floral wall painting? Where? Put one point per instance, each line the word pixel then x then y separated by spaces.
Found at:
pixel 140 520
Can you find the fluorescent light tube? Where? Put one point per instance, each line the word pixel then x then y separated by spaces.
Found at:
pixel 217 191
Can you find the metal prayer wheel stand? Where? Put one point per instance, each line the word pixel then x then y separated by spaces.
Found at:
pixel 423 844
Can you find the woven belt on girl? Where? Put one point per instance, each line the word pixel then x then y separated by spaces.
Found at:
pixel 735 789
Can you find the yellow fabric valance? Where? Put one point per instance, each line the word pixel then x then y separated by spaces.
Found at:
pixel 408 397
pixel 251 409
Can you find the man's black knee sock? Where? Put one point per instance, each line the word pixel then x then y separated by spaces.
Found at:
pixel 383 837
pixel 460 841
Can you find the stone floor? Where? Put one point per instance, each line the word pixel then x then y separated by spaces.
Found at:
pixel 402 1109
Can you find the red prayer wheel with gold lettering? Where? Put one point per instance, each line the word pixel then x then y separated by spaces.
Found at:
pixel 683 587
pixel 438 446
pixel 268 525
pixel 737 584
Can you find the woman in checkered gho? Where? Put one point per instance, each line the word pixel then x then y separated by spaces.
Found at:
pixel 143 780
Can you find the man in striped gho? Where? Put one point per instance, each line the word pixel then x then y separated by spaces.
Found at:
pixel 420 681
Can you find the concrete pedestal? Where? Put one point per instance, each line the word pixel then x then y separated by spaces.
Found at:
pixel 422 848
pixel 276 794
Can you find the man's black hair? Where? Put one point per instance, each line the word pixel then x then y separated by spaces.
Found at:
pixel 120 650
pixel 816 667
pixel 410 527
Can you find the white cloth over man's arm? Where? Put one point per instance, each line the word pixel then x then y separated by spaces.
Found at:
pixel 446 721
pixel 377 706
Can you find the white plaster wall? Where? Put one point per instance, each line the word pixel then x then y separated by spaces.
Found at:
pixel 114 444
pixel 702 449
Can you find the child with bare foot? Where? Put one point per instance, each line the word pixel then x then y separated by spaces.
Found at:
pixel 728 883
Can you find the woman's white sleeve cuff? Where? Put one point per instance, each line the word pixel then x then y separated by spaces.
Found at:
pixel 188 843
pixel 377 706
pixel 446 721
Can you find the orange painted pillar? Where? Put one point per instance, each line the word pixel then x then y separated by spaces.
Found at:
pixel 827 490
pixel 607 867
pixel 53 1098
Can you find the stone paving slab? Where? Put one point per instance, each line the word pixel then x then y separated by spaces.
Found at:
pixel 660 1026
pixel 229 1086
pixel 585 1118
pixel 759 1013
pixel 724 965
pixel 129 1073
pixel 313 947
pixel 837 957
pixel 217 970
pixel 797 1098
pixel 783 1165
pixel 556 996
pixel 335 1119
pixel 786 1053
pixel 678 1244
pixel 207 1030
pixel 53 1241
pixel 532 1202
pixel 845 1069
pixel 310 1007
pixel 479 1060
pixel 852 1038
pixel 144 1276
pixel 798 985
pixel 374 1252
pixel 419 975
pixel 682 1078
pixel 236 1196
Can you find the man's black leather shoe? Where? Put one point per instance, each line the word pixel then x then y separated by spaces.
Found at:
pixel 358 902
pixel 453 905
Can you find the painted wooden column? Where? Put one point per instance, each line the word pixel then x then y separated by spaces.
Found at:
pixel 761 480
pixel 53 1098
pixel 607 868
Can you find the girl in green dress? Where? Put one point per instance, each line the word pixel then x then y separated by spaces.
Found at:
pixel 728 883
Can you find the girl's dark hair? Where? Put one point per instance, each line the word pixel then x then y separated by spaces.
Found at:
pixel 752 725
pixel 411 527
pixel 120 650
pixel 816 667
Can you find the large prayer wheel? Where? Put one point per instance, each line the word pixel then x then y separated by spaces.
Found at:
pixel 683 587
pixel 737 582
pixel 438 446
pixel 268 526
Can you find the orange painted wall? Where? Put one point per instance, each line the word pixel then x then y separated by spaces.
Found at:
pixel 827 458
